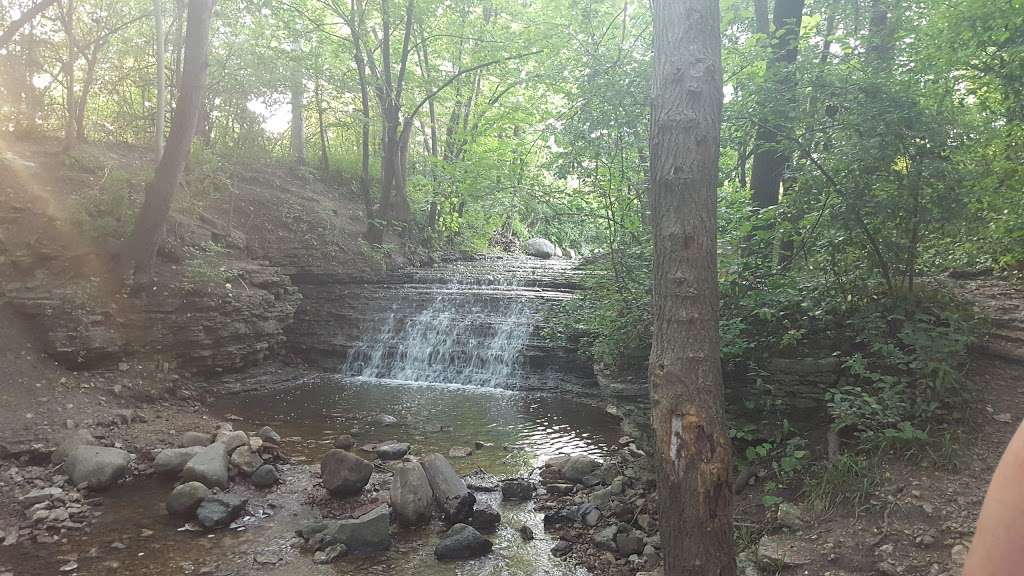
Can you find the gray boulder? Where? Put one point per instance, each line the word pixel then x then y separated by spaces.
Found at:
pixel 185 499
pixel 605 539
pixel 232 440
pixel 485 518
pixel 330 554
pixel 462 542
pixel 264 477
pixel 96 466
pixel 540 248
pixel 194 439
pixel 411 494
pixel 245 460
pixel 220 511
pixel 517 489
pixel 629 542
pixel 344 473
pixel 171 462
pixel 368 534
pixel 578 467
pixel 209 467
pixel 344 442
pixel 69 442
pixel 268 435
pixel 392 451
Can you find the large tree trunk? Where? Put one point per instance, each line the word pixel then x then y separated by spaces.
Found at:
pixel 778 105
pixel 140 248
pixel 161 83
pixel 693 449
pixel 29 15
pixel 450 493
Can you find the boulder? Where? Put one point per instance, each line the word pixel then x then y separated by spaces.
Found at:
pixel 517 489
pixel 384 420
pixel 344 442
pixel 264 477
pixel 485 518
pixel 558 251
pixel 392 451
pixel 96 466
pixel 185 499
pixel 194 439
pixel 219 511
pixel 605 539
pixel 330 554
pixel 344 473
pixel 209 467
pixel 450 493
pixel 481 481
pixel 589 514
pixel 411 495
pixel 367 534
pixel 462 542
pixel 268 435
pixel 232 440
pixel 578 467
pixel 69 442
pixel 561 548
pixel 526 533
pixel 172 461
pixel 246 460
pixel 460 452
pixel 629 542
pixel 540 248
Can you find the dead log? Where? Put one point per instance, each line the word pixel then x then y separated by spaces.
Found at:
pixel 450 493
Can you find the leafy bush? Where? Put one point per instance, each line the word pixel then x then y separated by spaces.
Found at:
pixel 107 212
pixel 205 267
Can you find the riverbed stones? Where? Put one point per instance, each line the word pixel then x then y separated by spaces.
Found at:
pixel 517 489
pixel 268 435
pixel 480 480
pixel 330 554
pixel 629 542
pixel 232 440
pixel 462 542
pixel 368 534
pixel 460 452
pixel 219 511
pixel 392 450
pixel 540 248
pixel 40 495
pixel 344 473
pixel 411 495
pixel 485 518
pixel 384 420
pixel 344 442
pixel 265 476
pixel 69 442
pixel 209 467
pixel 172 461
pixel 96 466
pixel 185 499
pixel 604 539
pixel 245 460
pixel 189 439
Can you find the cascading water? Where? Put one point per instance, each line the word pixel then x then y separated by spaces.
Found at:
pixel 472 327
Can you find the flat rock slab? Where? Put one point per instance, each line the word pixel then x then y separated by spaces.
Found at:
pixel 368 534
pixel 782 550
pixel 220 511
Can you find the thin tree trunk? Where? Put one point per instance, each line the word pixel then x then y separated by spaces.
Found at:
pixel 298 94
pixel 83 96
pixel 321 126
pixel 374 232
pixel 693 449
pixel 29 15
pixel 161 83
pixel 140 248
pixel 69 76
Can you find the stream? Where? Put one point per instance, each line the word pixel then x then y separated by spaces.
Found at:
pixel 447 358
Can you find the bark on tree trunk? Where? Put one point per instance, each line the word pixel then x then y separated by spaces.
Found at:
pixel 298 94
pixel 321 127
pixel 70 130
pixel 139 250
pixel 161 83
pixel 693 449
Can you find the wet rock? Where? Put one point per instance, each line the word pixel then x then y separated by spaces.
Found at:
pixel 460 452
pixel 368 534
pixel 517 489
pixel 395 451
pixel 264 477
pixel 220 511
pixel 606 474
pixel 246 460
pixel 480 445
pixel 344 442
pixel 481 481
pixel 526 532
pixel 605 539
pixel 98 467
pixel 540 248
pixel 344 473
pixel 560 517
pixel 268 435
pixel 209 467
pixel 462 542
pixel 589 514
pixel 578 467
pixel 629 542
pixel 384 420
pixel 172 461
pixel 69 442
pixel 189 439
pixel 561 549
pixel 232 440
pixel 560 489
pixel 330 554
pixel 485 518
pixel 185 499
pixel 411 495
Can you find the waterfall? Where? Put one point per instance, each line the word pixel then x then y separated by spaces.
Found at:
pixel 466 325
